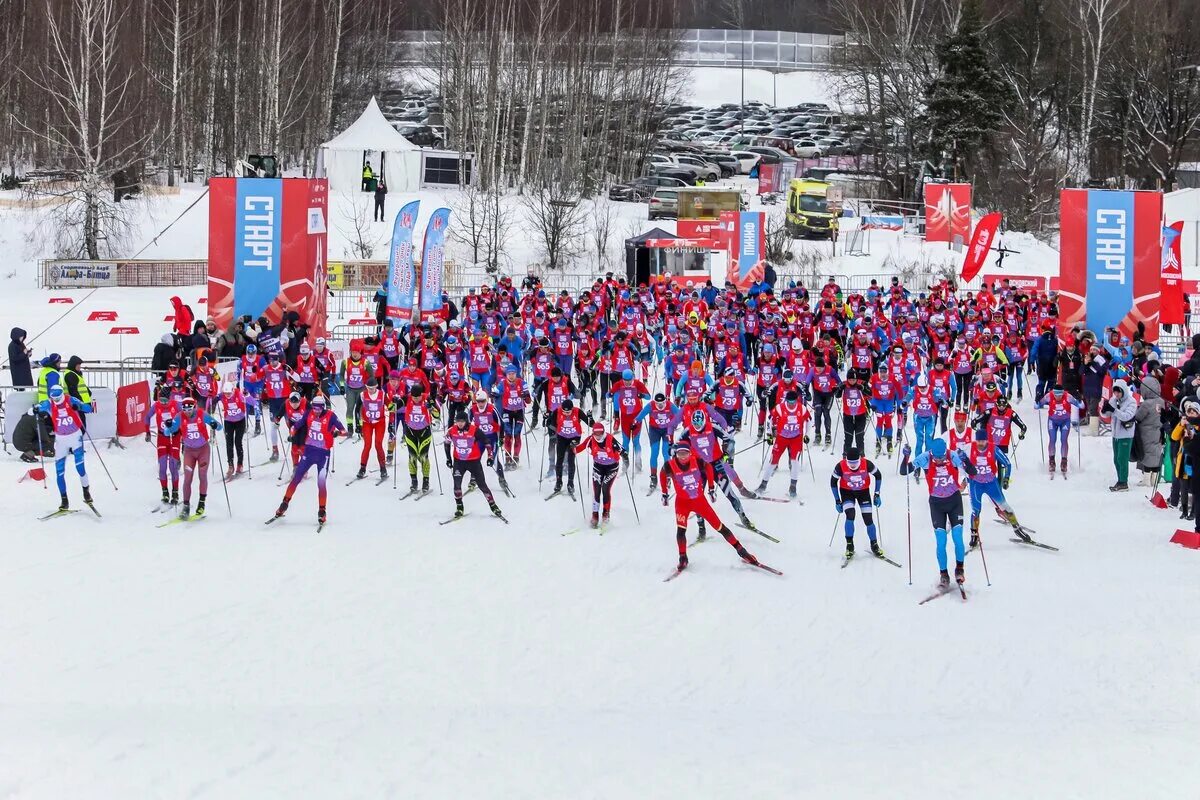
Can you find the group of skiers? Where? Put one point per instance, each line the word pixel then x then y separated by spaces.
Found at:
pixel 585 374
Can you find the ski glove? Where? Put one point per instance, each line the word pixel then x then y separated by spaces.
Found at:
pixel 449 462
pixel 906 451
pixel 490 460
pixel 1020 436
pixel 877 500
pixel 664 498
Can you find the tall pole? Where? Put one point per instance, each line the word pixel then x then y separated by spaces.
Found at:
pixel 742 70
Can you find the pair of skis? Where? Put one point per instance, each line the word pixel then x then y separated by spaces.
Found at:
pixel 66 512
pixel 846 559
pixel 945 590
pixel 466 514
pixel 679 570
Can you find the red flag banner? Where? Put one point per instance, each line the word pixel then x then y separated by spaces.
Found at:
pixel 1171 310
pixel 981 243
pixel 947 212
pixel 132 403
pixel 768 178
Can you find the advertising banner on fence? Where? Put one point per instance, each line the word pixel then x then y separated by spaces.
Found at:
pixel 749 248
pixel 82 274
pixel 981 245
pixel 1025 283
pixel 1110 260
pixel 433 265
pixel 132 403
pixel 102 423
pixel 1172 276
pixel 768 178
pixel 402 276
pixel 947 212
pixel 267 249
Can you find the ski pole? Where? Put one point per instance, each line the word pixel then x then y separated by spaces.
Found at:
pixel 37 423
pixel 437 465
pixel 100 458
pixel 249 460
pixel 908 514
pixel 983 556
pixel 224 485
pixel 1041 438
pixel 629 483
pixel 808 458
pixel 578 474
pixel 542 463
pixel 835 527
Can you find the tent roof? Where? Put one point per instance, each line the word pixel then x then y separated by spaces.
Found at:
pixel 653 233
pixel 371 131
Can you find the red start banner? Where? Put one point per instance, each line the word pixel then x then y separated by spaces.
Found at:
pixel 132 403
pixel 947 212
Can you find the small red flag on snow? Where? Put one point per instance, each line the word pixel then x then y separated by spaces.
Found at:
pixel 35 474
pixel 1157 500
pixel 1189 539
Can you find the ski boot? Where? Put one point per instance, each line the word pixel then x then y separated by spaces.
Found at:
pixel 604 518
pixel 412 484
pixel 683 562
pixel 849 549
pixel 383 473
pixel 257 426
pixel 653 480
pixel 760 434
pixel 595 520
pixel 762 488
pixel 166 498
pixel 829 440
pixel 974 533
pixel 184 510
pixel 174 495
pixel 495 508
pixel 791 490
pixel 944 580
pixel 876 550
pixel 274 455
pixel 200 506
pixel 959 575
pixel 391 457
pixel 746 521
pixel 702 535
pixel 240 469
pixel 1052 465
pixel 87 495
pixel 746 556
pixel 283 507
pixel 571 491
pixel 637 463
pixel 65 504
pixel 321 515
pixel 878 447
pixel 1062 465
pixel 424 484
pixel 362 472
pixel 458 509
pixel 889 441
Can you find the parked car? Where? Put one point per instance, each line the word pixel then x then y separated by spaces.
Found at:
pixel 664 203
pixel 807 148
pixel 641 188
pixel 747 161
pixel 705 170
pixel 420 135
pixel 685 175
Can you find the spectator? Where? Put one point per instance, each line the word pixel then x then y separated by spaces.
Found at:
pixel 1149 426
pixel 183 317
pixel 199 343
pixel 367 174
pixel 381 299
pixel 164 353
pixel 1095 367
pixel 449 307
pixel 18 359
pixel 34 432
pixel 76 386
pixel 1192 365
pixel 1044 357
pixel 380 198
pixel 1123 407
pixel 232 343
pixel 49 376
pixel 769 275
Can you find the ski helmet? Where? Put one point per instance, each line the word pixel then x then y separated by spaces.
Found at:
pixel 481 396
pixel 627 375
pixel 567 404
pixel 938 448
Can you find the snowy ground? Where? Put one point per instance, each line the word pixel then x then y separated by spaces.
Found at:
pixel 389 656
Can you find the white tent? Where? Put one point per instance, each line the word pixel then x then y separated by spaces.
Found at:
pixel 371 138
pixel 1184 205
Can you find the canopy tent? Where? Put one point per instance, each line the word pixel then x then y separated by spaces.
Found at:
pixel 370 139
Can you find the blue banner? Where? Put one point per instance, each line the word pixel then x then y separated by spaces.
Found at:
pixel 433 262
pixel 749 238
pixel 257 224
pixel 1109 258
pixel 402 278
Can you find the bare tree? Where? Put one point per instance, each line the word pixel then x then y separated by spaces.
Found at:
pixel 356 227
pixel 1093 22
pixel 471 209
pixel 604 219
pixel 556 218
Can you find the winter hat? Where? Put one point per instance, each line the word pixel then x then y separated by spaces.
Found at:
pixel 981 435
pixel 938 448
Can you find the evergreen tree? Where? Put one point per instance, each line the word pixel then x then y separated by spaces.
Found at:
pixel 965 104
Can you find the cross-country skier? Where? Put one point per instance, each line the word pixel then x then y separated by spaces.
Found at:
pixel 317 432
pixel 658 412
pixel 416 423
pixel 566 428
pixel 999 424
pixel 788 434
pixel 66 415
pixel 606 456
pixel 691 478
pixel 373 409
pixel 161 412
pixel 1058 422
pixel 232 404
pixel 628 395
pixel 193 425
pixel 852 482
pixel 854 413
pixel 941 467
pixel 465 444
pixel 989 463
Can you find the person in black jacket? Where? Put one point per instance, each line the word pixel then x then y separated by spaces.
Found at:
pixel 1192 365
pixel 27 438
pixel 18 359
pixel 380 198
pixel 164 353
